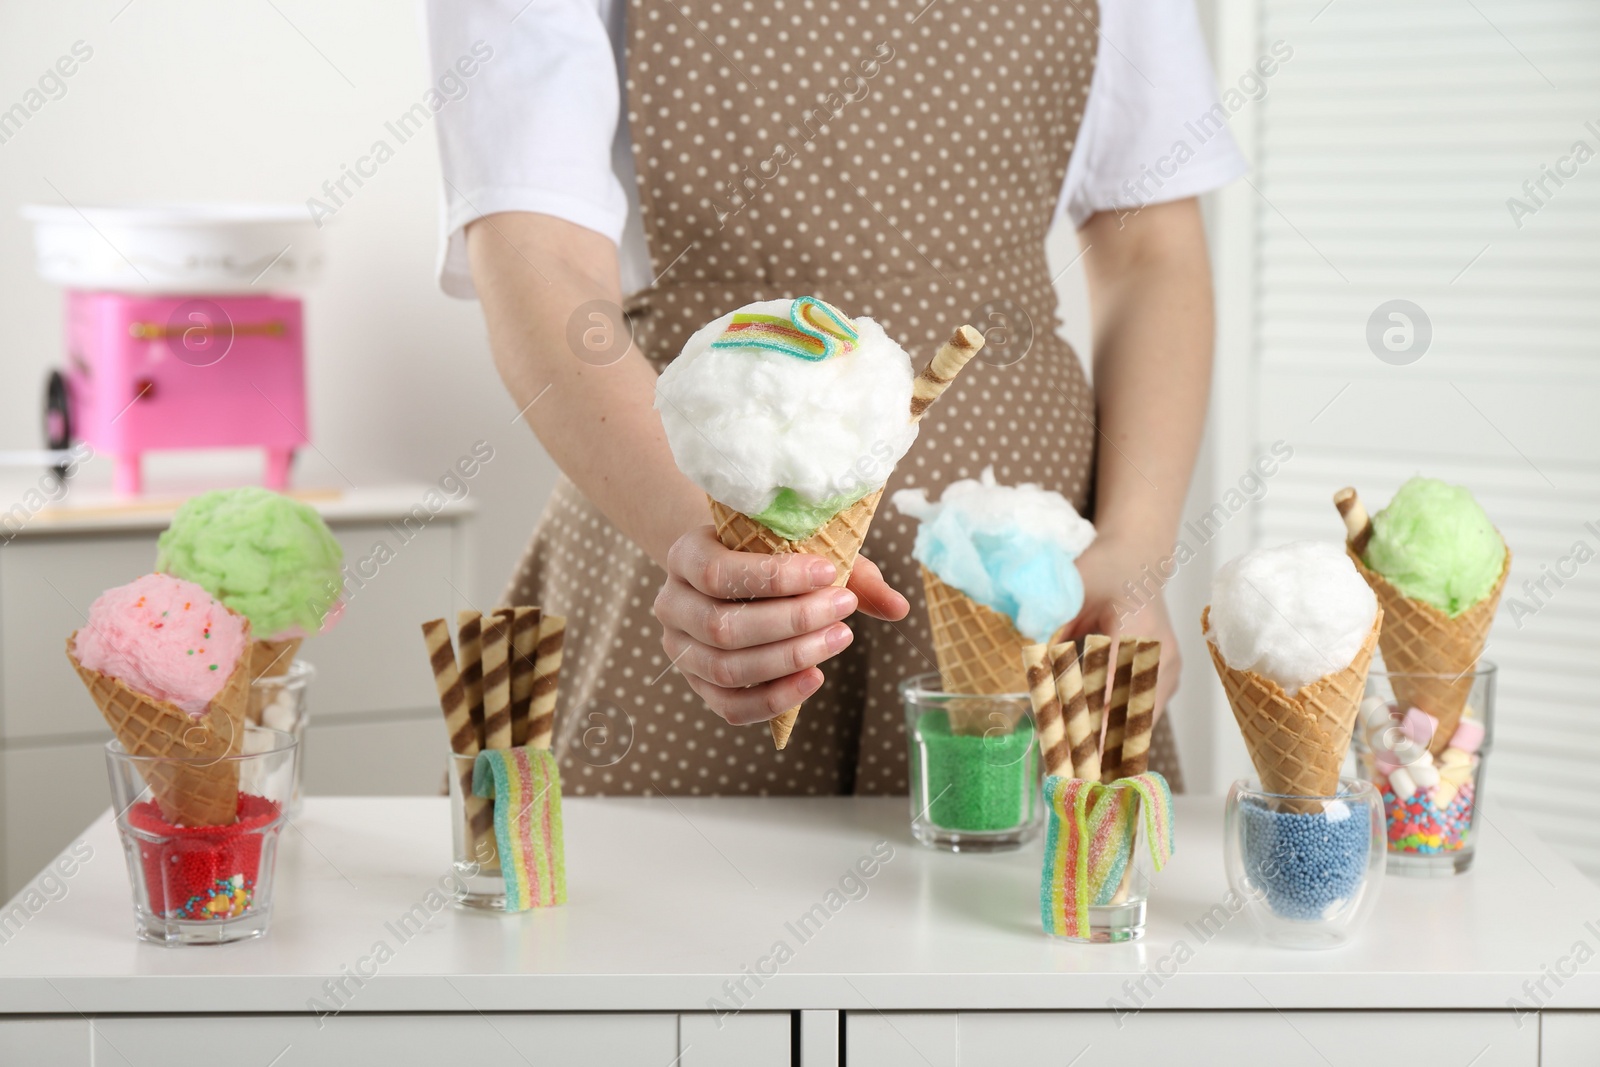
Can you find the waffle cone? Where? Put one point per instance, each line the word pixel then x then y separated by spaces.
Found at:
pixel 272 657
pixel 198 794
pixel 839 541
pixel 978 649
pixel 1297 743
pixel 1431 657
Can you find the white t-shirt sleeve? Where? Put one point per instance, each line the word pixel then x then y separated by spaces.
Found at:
pixel 535 128
pixel 1153 130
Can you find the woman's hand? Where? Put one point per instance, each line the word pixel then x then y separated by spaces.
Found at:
pixel 1107 609
pixel 748 630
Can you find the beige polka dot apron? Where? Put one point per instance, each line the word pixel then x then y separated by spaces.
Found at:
pixel 902 160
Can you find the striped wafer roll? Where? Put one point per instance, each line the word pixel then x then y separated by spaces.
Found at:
pixel 943 368
pixel 1083 745
pixel 1141 709
pixel 1047 710
pixel 447 680
pixel 479 811
pixel 546 681
pixel 496 683
pixel 524 653
pixel 1096 664
pixel 1117 711
pixel 1357 524
pixel 469 636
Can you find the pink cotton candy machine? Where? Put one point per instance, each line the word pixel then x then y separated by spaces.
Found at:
pixel 181 330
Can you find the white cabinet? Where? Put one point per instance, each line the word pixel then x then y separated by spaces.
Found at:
pixel 1194 1038
pixel 481 1039
pixel 743 1040
pixel 45 1042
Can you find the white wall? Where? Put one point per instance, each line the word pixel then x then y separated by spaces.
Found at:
pixel 187 100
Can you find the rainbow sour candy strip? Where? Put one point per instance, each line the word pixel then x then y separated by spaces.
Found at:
pixel 1090 843
pixel 814 331
pixel 526 787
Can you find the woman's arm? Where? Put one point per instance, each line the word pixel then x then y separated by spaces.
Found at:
pixel 1150 293
pixel 533 273
pixel 746 631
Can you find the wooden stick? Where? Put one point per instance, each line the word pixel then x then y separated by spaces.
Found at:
pixel 1047 711
pixel 1117 711
pixel 469 635
pixel 447 680
pixel 496 683
pixel 1141 708
pixel 943 368
pixel 1083 746
pixel 546 681
pixel 1096 664
pixel 1357 523
pixel 524 653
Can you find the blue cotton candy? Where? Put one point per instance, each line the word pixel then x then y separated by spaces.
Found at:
pixel 1008 548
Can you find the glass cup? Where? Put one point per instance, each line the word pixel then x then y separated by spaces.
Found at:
pixel 278 702
pixel 1430 798
pixel 1116 911
pixel 473 854
pixel 196 884
pixel 974 768
pixel 1307 870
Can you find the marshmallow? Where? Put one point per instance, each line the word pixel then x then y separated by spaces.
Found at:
pixel 1468 736
pixel 1444 794
pixel 1419 726
pixel 1376 713
pixel 1401 782
pixel 1424 775
pixel 1410 752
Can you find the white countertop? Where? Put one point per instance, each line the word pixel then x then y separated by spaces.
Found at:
pixel 97 510
pixel 669 898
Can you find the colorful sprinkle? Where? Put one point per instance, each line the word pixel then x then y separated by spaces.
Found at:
pixel 1416 826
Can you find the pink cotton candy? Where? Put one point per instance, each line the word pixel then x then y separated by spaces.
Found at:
pixel 163 637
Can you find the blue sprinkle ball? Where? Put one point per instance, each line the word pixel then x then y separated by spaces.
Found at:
pixel 1309 865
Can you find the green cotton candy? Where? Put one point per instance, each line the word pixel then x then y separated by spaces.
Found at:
pixel 265 556
pixel 1435 544
pixel 792 519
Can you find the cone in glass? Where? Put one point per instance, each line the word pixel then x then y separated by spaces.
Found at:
pixel 1297 743
pixel 272 657
pixel 839 539
pixel 1431 658
pixel 978 649
pixel 202 793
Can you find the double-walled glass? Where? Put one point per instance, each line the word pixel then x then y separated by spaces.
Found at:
pixel 974 768
pixel 1307 870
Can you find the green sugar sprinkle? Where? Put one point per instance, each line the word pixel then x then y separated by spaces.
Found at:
pixel 212 667
pixel 978 783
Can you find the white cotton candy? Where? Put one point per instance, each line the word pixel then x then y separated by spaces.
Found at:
pixel 1292 613
pixel 745 422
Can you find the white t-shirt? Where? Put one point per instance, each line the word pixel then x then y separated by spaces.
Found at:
pixel 541 124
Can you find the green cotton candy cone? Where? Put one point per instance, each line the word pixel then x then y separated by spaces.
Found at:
pixel 267 557
pixel 1434 543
